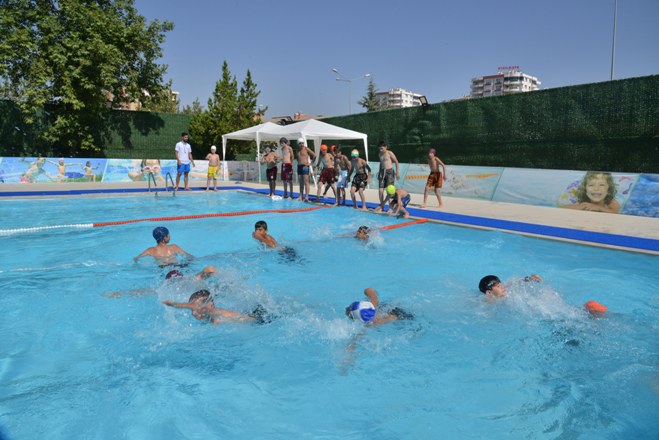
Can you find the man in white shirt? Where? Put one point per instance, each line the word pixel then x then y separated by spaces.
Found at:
pixel 183 160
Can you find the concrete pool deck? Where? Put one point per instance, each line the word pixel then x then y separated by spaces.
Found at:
pixel 626 232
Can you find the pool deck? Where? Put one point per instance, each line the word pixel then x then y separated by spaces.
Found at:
pixel 625 232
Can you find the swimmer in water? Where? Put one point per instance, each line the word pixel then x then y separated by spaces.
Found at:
pixel 203 309
pixel 261 234
pixel 172 275
pixel 163 252
pixel 491 285
pixel 363 233
pixel 368 312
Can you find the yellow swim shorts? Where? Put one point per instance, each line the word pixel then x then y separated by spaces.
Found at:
pixel 212 171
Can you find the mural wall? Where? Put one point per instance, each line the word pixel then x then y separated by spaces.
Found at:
pixel 67 170
pixel 620 193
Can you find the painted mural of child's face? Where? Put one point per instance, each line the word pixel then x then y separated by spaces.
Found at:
pixel 597 188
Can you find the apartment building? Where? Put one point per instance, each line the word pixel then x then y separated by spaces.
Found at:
pixel 398 98
pixel 508 79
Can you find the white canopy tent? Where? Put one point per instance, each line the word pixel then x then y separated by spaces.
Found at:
pixel 246 134
pixel 311 129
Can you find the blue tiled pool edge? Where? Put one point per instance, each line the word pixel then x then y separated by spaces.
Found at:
pixel 598 238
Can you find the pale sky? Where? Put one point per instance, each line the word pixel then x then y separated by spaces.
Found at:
pixel 431 47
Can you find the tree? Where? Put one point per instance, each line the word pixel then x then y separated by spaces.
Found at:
pixel 370 101
pixel 227 110
pixel 196 108
pixel 79 58
pixel 247 110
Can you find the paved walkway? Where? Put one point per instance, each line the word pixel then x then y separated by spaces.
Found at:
pixel 640 234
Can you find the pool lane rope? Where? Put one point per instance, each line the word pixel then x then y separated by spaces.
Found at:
pixel 400 225
pixel 6 232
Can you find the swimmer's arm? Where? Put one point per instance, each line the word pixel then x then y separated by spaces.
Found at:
pixel 179 305
pixel 231 314
pixel 142 291
pixel 533 277
pixel 181 251
pixel 146 252
pixel 372 296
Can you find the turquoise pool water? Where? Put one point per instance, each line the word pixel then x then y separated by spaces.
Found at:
pixel 83 357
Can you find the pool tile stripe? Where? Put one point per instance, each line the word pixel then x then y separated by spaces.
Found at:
pixel 600 238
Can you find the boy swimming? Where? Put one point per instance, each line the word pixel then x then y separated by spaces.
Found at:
pixel 163 252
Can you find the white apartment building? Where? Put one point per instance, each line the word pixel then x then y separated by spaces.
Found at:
pixel 398 98
pixel 509 79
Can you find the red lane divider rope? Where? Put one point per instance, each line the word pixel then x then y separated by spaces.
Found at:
pixel 223 214
pixel 400 225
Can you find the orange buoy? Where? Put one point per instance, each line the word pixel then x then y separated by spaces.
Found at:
pixel 595 308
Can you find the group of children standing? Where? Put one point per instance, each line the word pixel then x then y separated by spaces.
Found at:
pixel 336 170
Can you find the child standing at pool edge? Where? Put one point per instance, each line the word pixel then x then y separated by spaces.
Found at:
pixel 436 177
pixel 213 164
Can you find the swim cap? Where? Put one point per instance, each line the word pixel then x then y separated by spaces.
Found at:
pixel 487 282
pixel 391 190
pixel 354 153
pixel 173 273
pixel 160 233
pixel 361 311
pixel 213 148
pixel 300 141
pixel 595 308
pixel 323 147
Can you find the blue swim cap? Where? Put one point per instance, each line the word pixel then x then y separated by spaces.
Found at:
pixel 362 311
pixel 160 233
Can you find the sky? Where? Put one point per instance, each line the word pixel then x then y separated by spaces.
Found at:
pixel 431 47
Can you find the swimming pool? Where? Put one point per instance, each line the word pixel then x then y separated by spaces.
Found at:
pixel 79 363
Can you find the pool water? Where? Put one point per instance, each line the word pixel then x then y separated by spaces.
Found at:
pixel 84 356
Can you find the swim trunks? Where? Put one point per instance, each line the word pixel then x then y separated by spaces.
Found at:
pixel 303 170
pixel 386 177
pixel 359 181
pixel 287 172
pixel 435 179
pixel 260 315
pixel 401 314
pixel 343 179
pixel 212 171
pixel 406 200
pixel 271 173
pixel 327 175
pixel 183 168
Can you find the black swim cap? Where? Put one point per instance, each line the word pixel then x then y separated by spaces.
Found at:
pixel 487 282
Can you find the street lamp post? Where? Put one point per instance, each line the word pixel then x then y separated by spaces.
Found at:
pixel 340 77
pixel 613 46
